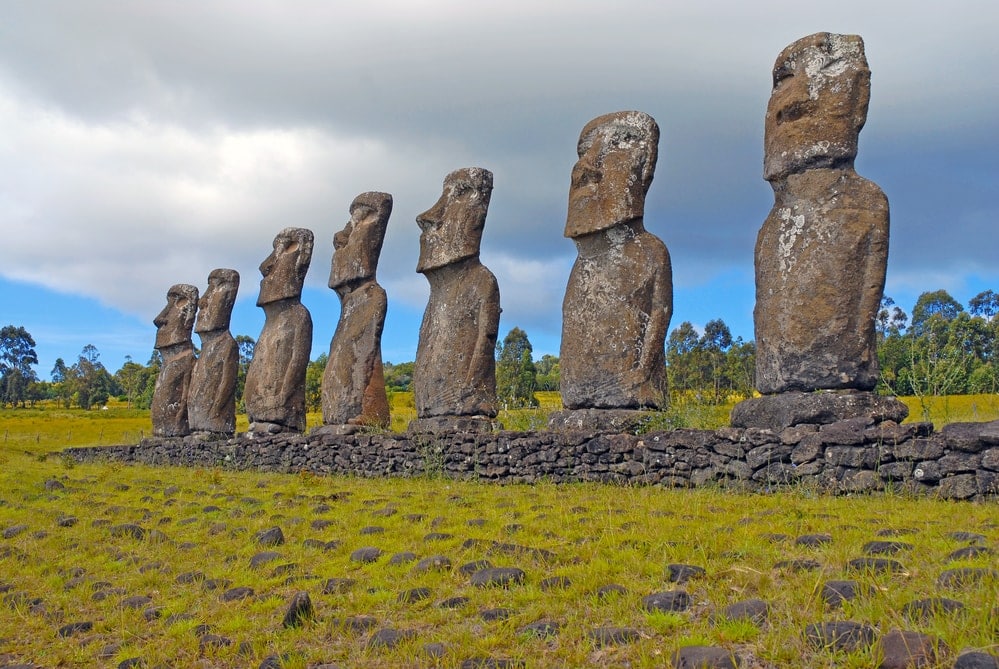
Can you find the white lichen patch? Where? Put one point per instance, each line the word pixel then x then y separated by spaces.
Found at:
pixel 791 227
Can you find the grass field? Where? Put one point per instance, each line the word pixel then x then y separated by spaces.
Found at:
pixel 68 554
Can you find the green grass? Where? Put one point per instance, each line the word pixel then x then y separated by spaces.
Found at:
pixel 205 520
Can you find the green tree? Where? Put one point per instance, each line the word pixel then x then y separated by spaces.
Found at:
pixel 985 304
pixel 682 358
pixel 246 346
pixel 314 382
pixel 714 343
pixel 936 303
pixel 548 372
pixel 17 355
pixel 516 376
pixel 91 382
pixel 132 378
pixel 398 377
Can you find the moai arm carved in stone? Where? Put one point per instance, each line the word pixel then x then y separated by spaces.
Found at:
pixel 275 381
pixel 455 371
pixel 353 387
pixel 173 340
pixel 212 405
pixel 822 253
pixel 619 298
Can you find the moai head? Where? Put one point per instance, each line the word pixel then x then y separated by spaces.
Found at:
pixel 174 323
pixel 357 246
pixel 215 306
pixel 285 268
pixel 822 86
pixel 452 228
pixel 617 159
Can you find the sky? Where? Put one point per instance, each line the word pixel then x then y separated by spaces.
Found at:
pixel 145 144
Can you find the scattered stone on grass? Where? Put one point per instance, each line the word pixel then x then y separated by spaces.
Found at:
pixel 842 635
pixel 14 530
pixel 970 553
pixel 886 547
pixel 612 636
pixel 704 657
pixel 493 615
pixel 976 660
pixel 491 663
pixel 922 610
pixel 834 593
pixel 366 554
pixel 372 529
pixel 813 540
pixel 334 586
pixel 541 629
pixel 270 537
pixel 906 650
pixel 126 530
pixel 402 558
pixel 895 531
pixel 299 611
pixel 355 624
pixel 216 584
pixel 438 536
pixel 610 590
pixel 135 602
pixel 434 563
pixel 798 564
pixel 681 573
pixel 755 611
pixel 236 594
pixel 966 576
pixel 555 583
pixel 669 601
pixel 389 638
pixel 876 565
pixel 413 595
pixel 72 629
pixel 470 568
pixel 453 603
pixel 260 559
pixel 969 537
pixel 208 642
pixel 498 576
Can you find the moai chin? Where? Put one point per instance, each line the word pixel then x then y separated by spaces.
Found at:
pixel 212 403
pixel 353 387
pixel 619 298
pixel 275 381
pixel 173 340
pixel 454 378
pixel 822 253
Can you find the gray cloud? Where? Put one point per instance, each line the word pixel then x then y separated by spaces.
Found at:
pixel 147 143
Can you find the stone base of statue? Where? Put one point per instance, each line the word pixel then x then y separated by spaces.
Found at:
pixel 449 424
pixel 776 412
pixel 203 436
pixel 261 428
pixel 340 429
pixel 601 420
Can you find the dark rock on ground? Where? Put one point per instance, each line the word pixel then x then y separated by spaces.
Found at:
pixel 372 529
pixel 845 635
pixel 681 573
pixel 270 537
pixel 964 577
pixel 610 590
pixel 704 657
pixel 798 564
pixel 491 663
pixel 470 568
pixel 498 576
pixel 885 547
pixel 670 601
pixel 402 558
pixel 355 624
pixel 906 650
pixel 976 660
pixel 612 636
pixel 389 638
pixel 135 602
pixel 216 584
pixel 434 562
pixel 453 603
pixel 555 583
pixel 334 586
pixel 540 629
pixel 834 593
pixel 492 615
pixel 876 565
pixel 413 595
pixel 73 629
pixel 210 641
pixel 754 610
pixel 969 553
pixel 923 609
pixel 260 559
pixel 367 554
pixel 128 530
pixel 300 610
pixel 236 594
pixel 813 540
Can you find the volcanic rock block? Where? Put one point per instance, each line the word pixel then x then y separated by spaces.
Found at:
pixel 173 340
pixel 212 404
pixel 619 298
pixel 275 381
pixel 822 253
pixel 455 370
pixel 353 387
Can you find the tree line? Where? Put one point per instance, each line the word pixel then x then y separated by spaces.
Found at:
pixel 943 349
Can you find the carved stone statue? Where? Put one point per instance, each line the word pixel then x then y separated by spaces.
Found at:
pixel 619 298
pixel 822 253
pixel 212 404
pixel 173 341
pixel 455 372
pixel 275 381
pixel 353 389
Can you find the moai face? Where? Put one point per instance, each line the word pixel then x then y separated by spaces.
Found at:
pixel 822 86
pixel 452 228
pixel 174 323
pixel 617 159
pixel 285 268
pixel 356 248
pixel 215 306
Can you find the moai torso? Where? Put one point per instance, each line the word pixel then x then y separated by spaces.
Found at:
pixel 212 404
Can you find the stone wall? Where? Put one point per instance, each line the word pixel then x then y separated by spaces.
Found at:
pixel 959 462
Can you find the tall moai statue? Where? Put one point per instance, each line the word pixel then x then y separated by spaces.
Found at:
pixel 212 405
pixel 173 340
pixel 619 298
pixel 353 387
pixel 454 379
pixel 822 253
pixel 275 381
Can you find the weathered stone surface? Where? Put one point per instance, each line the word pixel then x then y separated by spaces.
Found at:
pixel 619 299
pixel 452 424
pixel 704 657
pixel 275 381
pixel 455 370
pixel 168 409
pixel 353 387
pixel 901 649
pixel 844 635
pixel 212 402
pixel 783 410
pixel 822 253
pixel 601 420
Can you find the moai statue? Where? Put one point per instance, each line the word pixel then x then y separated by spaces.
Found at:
pixel 619 299
pixel 275 381
pixel 212 405
pixel 454 379
pixel 822 253
pixel 173 341
pixel 353 388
